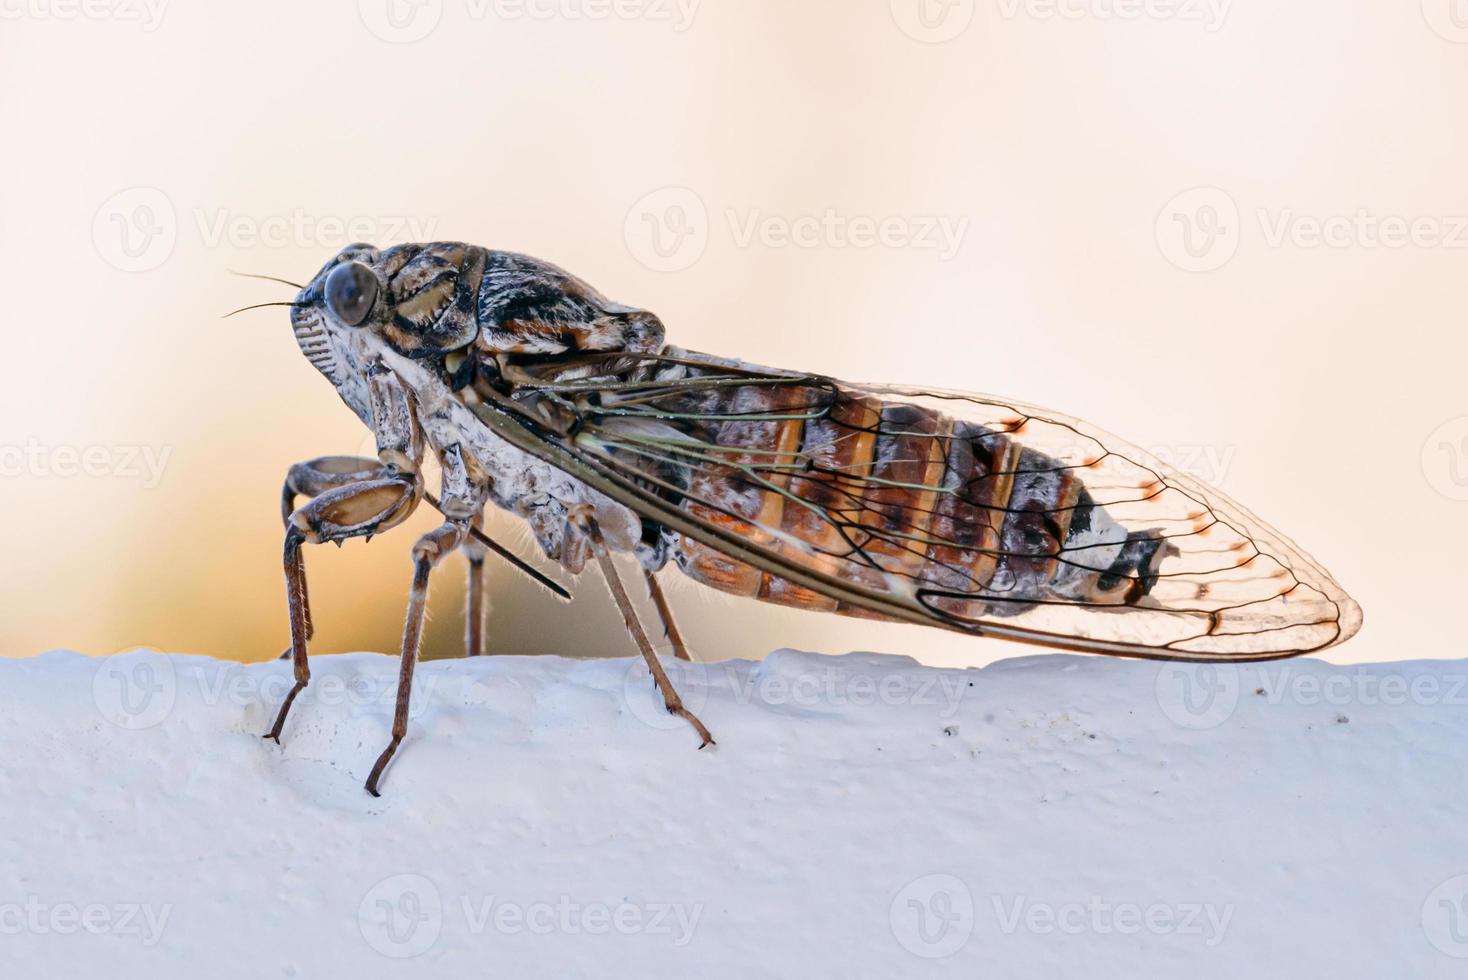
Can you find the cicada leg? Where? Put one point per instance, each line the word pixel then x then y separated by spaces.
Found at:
pixel 476 598
pixel 427 553
pixel 665 613
pixel 310 479
pixel 582 519
pixel 364 501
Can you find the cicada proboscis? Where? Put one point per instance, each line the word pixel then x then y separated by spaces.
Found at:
pixel 971 513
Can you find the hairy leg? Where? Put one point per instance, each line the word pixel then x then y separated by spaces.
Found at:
pixel 476 600
pixel 583 520
pixel 665 613
pixel 427 553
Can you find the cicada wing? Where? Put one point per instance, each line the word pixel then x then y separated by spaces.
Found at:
pixel 952 509
pixel 1227 585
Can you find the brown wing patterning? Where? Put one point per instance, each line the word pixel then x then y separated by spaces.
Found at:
pixel 867 488
pixel 973 513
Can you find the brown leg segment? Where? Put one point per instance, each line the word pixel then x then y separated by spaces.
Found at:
pixel 665 613
pixel 353 510
pixel 300 619
pixel 476 605
pixel 427 553
pixel 584 522
pixel 313 478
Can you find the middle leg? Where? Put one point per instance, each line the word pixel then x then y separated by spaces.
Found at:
pixel 476 599
pixel 427 553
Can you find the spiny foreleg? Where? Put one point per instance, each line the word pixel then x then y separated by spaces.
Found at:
pixel 359 509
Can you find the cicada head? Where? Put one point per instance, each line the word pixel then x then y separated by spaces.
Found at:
pixel 428 300
pixel 328 316
pixel 418 300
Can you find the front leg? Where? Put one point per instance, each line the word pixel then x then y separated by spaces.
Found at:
pixel 359 509
pixel 311 479
pixel 354 498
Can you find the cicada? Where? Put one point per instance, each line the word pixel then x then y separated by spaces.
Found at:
pixel 983 515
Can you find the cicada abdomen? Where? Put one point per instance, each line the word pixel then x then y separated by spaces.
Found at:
pixel 898 497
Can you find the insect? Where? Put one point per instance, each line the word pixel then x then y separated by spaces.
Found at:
pixel 538 395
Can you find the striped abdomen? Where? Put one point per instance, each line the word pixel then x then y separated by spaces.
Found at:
pixel 866 489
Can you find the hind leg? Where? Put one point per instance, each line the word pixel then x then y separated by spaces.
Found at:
pixel 583 520
pixel 665 613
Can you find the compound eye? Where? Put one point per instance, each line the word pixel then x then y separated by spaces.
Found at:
pixel 351 289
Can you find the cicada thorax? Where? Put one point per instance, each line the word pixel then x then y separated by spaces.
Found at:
pixel 528 306
pixel 448 296
pixel 892 496
pixel 433 297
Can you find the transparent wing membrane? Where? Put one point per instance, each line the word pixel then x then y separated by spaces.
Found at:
pixel 958 510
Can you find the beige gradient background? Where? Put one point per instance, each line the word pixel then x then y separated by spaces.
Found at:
pixel 142 160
